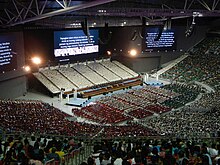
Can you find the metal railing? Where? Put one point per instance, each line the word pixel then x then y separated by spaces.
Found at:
pixel 75 157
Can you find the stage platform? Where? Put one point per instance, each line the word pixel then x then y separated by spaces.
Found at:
pixel 82 102
pixel 155 82
pixel 78 102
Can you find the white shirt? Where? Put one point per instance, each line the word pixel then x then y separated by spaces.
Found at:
pixel 213 152
pixel 105 162
pixel 118 161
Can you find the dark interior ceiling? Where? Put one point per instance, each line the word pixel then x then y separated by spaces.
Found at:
pixel 69 13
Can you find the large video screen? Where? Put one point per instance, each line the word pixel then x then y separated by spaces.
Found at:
pixel 8 52
pixel 74 43
pixel 159 39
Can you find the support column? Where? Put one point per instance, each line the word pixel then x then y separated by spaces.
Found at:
pixel 75 94
pixel 147 76
pixel 68 97
pixel 61 95
pixel 157 77
pixel 143 77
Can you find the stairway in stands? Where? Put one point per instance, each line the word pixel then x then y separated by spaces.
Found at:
pixel 172 64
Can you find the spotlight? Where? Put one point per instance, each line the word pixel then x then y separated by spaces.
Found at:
pixel 27 68
pixel 109 53
pixel 133 52
pixel 190 30
pixel 36 60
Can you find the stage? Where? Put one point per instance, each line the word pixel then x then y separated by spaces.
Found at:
pixel 78 102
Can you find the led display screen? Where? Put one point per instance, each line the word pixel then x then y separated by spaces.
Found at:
pixel 158 39
pixel 73 44
pixel 10 48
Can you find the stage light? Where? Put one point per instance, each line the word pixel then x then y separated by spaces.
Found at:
pixel 27 68
pixel 36 60
pixel 133 52
pixel 191 28
pixel 109 53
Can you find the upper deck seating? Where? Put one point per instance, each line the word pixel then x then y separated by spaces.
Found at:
pixel 47 83
pixel 58 79
pixel 76 77
pixel 103 71
pixel 90 74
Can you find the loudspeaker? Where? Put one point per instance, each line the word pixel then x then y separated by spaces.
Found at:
pixel 106 27
pixel 106 35
pixel 142 33
pixel 143 22
pixel 160 31
pixel 85 27
pixel 134 36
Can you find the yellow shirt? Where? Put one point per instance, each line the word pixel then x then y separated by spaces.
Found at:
pixel 60 153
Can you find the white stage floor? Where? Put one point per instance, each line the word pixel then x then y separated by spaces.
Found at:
pixel 55 101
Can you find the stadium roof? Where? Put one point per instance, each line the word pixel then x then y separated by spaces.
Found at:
pixel 69 13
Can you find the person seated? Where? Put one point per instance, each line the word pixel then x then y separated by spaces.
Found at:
pixel 53 155
pixel 60 152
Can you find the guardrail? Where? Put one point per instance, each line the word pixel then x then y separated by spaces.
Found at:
pixel 75 157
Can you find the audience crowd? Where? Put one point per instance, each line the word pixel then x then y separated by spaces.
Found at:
pixel 201 65
pixel 101 113
pixel 38 117
pixel 141 112
pixel 187 93
pixel 199 119
pixel 138 103
pixel 155 152
pixel 36 150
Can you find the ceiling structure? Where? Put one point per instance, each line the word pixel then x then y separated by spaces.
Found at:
pixel 69 13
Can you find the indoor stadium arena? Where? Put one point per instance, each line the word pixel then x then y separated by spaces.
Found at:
pixel 109 82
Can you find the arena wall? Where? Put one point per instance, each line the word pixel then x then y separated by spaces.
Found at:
pixel 13 88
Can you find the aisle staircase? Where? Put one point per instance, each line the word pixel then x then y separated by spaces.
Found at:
pixel 172 64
